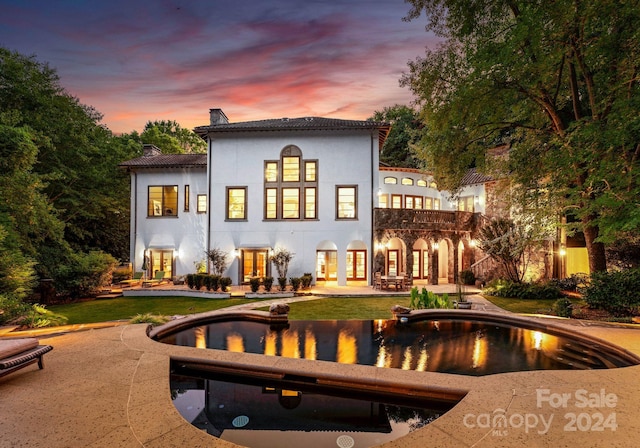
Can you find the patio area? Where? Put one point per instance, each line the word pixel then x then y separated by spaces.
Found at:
pixel 106 387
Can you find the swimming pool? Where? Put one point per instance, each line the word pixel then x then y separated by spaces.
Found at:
pixel 463 343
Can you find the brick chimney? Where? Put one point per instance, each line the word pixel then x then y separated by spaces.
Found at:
pixel 216 116
pixel 149 150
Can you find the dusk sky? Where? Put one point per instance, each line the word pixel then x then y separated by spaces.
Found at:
pixel 141 60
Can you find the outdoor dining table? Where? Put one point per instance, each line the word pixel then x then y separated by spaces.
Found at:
pixel 396 280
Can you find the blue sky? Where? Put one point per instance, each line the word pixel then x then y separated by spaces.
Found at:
pixel 141 60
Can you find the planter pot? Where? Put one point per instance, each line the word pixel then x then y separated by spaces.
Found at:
pixel 463 305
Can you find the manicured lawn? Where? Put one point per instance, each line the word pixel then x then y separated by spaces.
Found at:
pixel 525 306
pixel 325 308
pixel 346 308
pixel 127 307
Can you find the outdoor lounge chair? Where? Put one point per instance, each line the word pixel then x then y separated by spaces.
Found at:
pixel 136 280
pixel 18 353
pixel 156 280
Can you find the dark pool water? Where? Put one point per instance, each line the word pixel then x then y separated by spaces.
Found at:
pixel 448 346
pixel 259 414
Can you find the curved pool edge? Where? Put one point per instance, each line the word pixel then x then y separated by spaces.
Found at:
pixel 513 392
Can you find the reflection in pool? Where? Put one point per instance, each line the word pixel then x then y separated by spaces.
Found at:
pixel 265 413
pixel 456 346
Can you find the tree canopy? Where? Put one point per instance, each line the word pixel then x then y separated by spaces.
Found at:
pixel 172 138
pixel 555 81
pixel 396 151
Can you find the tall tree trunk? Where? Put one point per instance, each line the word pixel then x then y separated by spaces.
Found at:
pixel 595 251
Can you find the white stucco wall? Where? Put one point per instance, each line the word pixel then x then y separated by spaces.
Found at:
pixel 344 158
pixel 185 233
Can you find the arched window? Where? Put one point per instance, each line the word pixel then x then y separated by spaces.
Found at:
pixel 290 186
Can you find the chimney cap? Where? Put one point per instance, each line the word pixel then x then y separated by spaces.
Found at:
pixel 217 116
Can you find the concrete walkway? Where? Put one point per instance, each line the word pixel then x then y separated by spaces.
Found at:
pixel 109 387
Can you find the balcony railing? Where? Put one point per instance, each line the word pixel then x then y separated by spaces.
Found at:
pixel 392 218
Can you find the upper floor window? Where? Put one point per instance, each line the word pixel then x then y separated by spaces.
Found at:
pixel 421 183
pixel 163 200
pixel 293 194
pixel 347 202
pixel 465 204
pixel 390 180
pixel 291 169
pixel 436 204
pixel 237 203
pixel 396 201
pixel 383 201
pixel 407 181
pixel 186 198
pixel 271 171
pixel 202 203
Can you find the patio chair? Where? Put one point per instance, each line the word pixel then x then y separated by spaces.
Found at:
pixel 156 280
pixel 136 280
pixel 18 353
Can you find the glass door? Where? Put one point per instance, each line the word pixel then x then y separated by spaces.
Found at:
pixel 327 265
pixel 392 262
pixel 254 263
pixel 162 260
pixel 356 264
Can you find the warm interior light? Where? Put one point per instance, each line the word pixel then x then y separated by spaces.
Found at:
pixel 436 246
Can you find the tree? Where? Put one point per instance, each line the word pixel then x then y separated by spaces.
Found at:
pixel 405 124
pixel 172 138
pixel 218 259
pixel 557 82
pixel 508 245
pixel 281 257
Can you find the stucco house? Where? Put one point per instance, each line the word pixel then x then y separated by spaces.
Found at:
pixel 313 186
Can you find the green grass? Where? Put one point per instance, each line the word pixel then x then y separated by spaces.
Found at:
pixel 128 307
pixel 525 306
pixel 345 308
pixel 375 307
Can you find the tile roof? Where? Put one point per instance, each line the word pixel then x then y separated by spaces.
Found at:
pixel 473 177
pixel 297 124
pixel 303 123
pixel 167 161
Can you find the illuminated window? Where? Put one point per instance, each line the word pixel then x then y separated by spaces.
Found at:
pixel 202 203
pixel 271 171
pixel 310 170
pixel 237 203
pixel 436 204
pixel 407 181
pixel 383 201
pixel 433 185
pixel 310 203
pixel 347 202
pixel 428 203
pixel 186 198
pixel 271 208
pixel 290 203
pixel 290 195
pixel 421 183
pixel 465 204
pixel 396 201
pixel 291 169
pixel 413 202
pixel 390 180
pixel 163 200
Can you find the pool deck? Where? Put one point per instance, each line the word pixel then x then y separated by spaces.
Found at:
pixel 107 386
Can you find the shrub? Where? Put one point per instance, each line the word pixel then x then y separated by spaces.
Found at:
pixel 191 281
pixel 563 307
pixel 427 299
pixel 215 282
pixel 307 278
pixel 39 317
pixel 255 284
pixel 295 283
pixel 527 291
pixel 225 282
pixel 467 277
pixel 83 274
pixel 282 281
pixel 149 318
pixel 267 282
pixel 616 292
